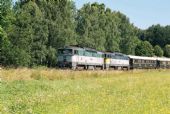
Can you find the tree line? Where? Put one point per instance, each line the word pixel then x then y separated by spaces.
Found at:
pixel 31 31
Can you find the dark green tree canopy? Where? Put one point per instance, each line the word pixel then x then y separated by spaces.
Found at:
pixel 100 28
pixel 167 50
pixel 158 51
pixel 144 49
pixel 156 35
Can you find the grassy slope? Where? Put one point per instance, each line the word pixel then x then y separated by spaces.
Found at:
pixel 27 91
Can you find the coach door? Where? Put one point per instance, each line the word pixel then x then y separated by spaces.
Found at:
pixel 131 63
pixel 158 64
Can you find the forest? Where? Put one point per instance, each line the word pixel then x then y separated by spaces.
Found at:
pixel 31 31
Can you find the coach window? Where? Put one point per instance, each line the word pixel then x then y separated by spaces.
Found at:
pixel 109 56
pixel 94 54
pixel 126 58
pixel 98 55
pixel 76 52
pixel 116 57
pixel 163 62
pixel 136 61
pixel 101 55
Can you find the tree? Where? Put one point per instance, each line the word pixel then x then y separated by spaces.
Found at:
pixel 4 47
pixel 167 50
pixel 144 49
pixel 98 27
pixel 129 40
pixel 90 24
pixel 156 35
pixel 6 20
pixel 26 34
pixel 158 51
pixel 42 27
pixel 60 18
pixel 51 57
pixel 112 32
pixel 6 14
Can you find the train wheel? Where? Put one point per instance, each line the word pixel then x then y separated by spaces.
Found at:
pixel 91 67
pixel 102 68
pixel 85 67
pixel 74 67
pixel 107 68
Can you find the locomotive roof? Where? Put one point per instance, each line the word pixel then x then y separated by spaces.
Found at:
pixel 116 53
pixel 72 47
pixel 82 48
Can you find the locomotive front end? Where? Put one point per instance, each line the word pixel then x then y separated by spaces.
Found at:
pixel 65 58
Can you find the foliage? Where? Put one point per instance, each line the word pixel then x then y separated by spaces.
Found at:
pixel 4 48
pixel 5 13
pixel 31 31
pixel 167 50
pixel 128 32
pixel 144 49
pixel 91 22
pixel 98 27
pixel 40 28
pixel 158 51
pixel 156 35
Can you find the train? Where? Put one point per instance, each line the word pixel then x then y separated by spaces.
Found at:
pixel 75 57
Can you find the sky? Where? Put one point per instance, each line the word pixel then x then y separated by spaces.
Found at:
pixel 142 13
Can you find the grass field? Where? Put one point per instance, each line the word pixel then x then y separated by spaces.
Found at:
pixel 50 91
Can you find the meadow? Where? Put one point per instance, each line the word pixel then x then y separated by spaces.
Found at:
pixel 51 91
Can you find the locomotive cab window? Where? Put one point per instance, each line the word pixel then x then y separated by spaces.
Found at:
pixel 65 51
pixel 76 52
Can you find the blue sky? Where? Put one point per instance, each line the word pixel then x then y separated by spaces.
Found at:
pixel 143 13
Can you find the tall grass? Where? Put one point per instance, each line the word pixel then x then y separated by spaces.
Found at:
pixel 51 91
pixel 54 74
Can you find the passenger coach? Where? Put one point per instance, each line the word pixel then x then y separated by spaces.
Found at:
pixel 163 63
pixel 138 62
